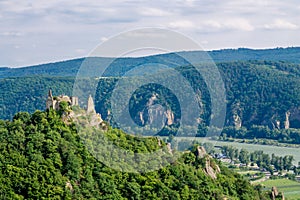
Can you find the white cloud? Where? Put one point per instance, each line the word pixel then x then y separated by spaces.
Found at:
pixel 211 24
pixel 225 25
pixel 182 24
pixel 255 6
pixel 153 12
pixel 103 39
pixel 239 24
pixel 11 33
pixel 60 27
pixel 188 2
pixel 281 24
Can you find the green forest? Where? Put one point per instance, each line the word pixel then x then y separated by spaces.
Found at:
pixel 262 89
pixel 261 93
pixel 42 157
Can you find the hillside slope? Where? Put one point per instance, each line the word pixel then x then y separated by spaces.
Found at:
pixel 43 158
pixel 258 92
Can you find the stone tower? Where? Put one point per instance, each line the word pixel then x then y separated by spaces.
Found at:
pixel 90 105
pixel 74 101
pixel 53 102
pixel 49 102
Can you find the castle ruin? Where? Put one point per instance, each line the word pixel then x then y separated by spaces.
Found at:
pixel 95 118
pixel 53 102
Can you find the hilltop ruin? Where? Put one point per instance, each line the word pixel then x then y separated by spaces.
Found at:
pixel 53 102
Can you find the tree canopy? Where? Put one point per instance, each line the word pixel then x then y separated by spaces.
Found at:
pixel 42 157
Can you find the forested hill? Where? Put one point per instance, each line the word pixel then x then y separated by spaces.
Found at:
pixel 71 67
pixel 41 157
pixel 259 92
pixel 262 86
pixel 291 54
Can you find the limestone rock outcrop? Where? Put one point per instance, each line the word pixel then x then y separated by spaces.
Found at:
pixel 275 194
pixel 155 114
pixel 90 105
pixel 201 152
pixel 287 120
pixel 211 168
pixel 169 148
pixel 237 121
pixel 69 186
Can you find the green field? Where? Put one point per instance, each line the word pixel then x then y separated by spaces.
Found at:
pixel 278 151
pixel 290 188
pixel 247 172
pixel 269 149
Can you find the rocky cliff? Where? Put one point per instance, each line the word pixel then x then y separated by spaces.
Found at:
pixel 155 114
pixel 210 167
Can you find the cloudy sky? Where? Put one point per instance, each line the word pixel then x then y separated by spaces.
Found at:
pixel 33 32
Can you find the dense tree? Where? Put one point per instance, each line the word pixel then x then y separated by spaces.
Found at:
pixel 262 132
pixel 244 156
pixel 41 157
pixel 260 158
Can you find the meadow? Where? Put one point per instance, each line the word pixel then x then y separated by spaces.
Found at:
pixel 268 149
pixel 278 151
pixel 291 189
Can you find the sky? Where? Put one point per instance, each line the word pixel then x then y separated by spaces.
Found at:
pixel 34 32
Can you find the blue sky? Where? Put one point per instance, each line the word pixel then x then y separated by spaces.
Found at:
pixel 34 32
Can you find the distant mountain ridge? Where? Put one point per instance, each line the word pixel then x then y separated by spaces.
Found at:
pixel 262 86
pixel 71 67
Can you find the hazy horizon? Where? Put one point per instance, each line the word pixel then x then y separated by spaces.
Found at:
pixel 140 56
